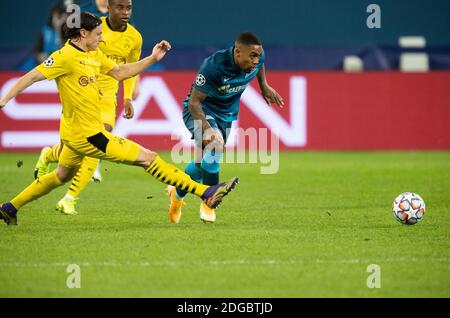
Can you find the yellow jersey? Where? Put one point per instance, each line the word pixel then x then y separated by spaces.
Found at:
pixel 76 72
pixel 121 47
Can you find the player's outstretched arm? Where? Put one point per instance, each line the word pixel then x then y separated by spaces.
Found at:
pixel 23 83
pixel 269 94
pixel 132 69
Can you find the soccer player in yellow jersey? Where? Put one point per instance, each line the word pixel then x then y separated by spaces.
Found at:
pixel 75 68
pixel 121 43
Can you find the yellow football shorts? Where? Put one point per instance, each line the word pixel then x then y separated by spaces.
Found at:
pixel 108 107
pixel 104 145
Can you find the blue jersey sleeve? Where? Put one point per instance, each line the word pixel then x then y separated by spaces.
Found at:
pixel 208 78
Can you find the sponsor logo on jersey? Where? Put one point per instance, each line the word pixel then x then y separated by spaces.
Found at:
pixel 84 80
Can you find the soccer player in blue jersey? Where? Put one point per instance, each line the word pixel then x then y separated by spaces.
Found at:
pixel 211 107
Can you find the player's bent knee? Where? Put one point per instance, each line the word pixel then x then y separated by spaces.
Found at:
pixel 145 158
pixel 216 146
pixel 65 174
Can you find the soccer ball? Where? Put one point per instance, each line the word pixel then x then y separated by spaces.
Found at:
pixel 408 208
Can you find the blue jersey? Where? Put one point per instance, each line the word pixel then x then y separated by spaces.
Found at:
pixel 224 82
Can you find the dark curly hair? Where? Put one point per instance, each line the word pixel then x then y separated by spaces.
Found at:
pixel 88 21
pixel 248 38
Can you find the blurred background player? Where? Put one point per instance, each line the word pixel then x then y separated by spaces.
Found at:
pixel 120 40
pixel 50 37
pixel 211 107
pixel 75 68
pixel 122 43
pixel 101 8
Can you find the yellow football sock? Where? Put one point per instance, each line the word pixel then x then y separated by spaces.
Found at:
pixel 169 174
pixel 83 176
pixel 52 155
pixel 37 189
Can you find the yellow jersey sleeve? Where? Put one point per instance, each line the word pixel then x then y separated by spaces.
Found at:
pixel 106 63
pixel 134 56
pixel 55 66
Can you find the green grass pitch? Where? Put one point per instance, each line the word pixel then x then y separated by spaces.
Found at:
pixel 311 230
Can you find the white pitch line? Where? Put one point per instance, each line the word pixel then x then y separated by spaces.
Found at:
pixel 268 262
